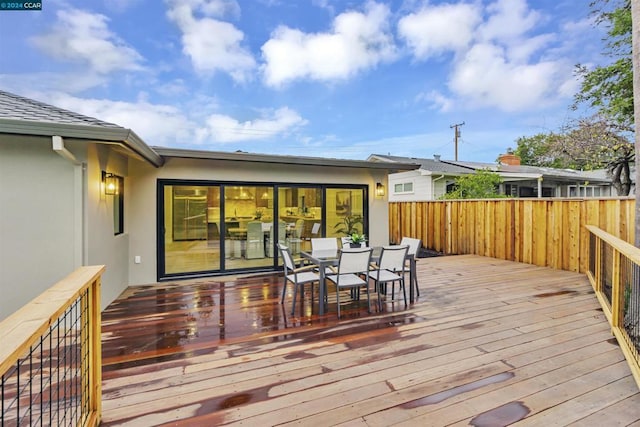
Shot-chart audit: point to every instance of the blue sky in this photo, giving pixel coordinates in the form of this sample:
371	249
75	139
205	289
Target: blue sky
330	78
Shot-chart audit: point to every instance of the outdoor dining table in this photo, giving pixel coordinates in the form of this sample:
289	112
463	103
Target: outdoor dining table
324	258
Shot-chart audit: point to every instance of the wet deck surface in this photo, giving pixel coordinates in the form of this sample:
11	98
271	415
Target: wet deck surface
488	343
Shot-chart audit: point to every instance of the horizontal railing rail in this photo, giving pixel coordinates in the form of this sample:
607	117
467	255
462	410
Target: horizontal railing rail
614	273
548	232
50	357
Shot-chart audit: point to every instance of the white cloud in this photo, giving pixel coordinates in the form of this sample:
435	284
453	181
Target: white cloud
437	100
155	124
224	129
486	77
85	38
497	63
358	41
508	19
437	29
212	45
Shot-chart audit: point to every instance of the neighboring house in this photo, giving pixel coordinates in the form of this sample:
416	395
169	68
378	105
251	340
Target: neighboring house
435	177
77	191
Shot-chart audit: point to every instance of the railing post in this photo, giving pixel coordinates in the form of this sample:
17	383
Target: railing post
95	352
598	264
617	294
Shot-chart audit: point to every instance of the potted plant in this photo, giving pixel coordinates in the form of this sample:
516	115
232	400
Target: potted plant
356	240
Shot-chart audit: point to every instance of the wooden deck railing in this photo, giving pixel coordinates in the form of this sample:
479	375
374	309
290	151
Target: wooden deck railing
50	356
544	232
614	272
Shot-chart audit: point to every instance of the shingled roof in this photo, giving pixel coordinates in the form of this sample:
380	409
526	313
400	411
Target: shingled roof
20	108
24	116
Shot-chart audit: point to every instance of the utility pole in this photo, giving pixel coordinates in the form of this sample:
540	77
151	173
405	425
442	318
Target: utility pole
456	132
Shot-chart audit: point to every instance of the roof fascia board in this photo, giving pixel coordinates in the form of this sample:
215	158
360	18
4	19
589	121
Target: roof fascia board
289	160
119	135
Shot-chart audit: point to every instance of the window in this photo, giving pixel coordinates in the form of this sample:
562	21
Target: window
404	187
118	207
584	191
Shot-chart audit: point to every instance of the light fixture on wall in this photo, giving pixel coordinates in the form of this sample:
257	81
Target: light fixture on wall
110	182
379	189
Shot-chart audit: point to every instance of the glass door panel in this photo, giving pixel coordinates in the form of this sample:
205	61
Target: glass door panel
300	214
345	211
192	228
248	226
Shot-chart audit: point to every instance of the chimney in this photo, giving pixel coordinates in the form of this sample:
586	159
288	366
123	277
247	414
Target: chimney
509	159
436	157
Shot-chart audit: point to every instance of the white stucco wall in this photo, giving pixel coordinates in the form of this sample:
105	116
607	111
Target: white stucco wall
102	246
54	218
36	219
142	216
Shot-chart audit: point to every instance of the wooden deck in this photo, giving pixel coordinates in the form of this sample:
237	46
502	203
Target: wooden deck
488	343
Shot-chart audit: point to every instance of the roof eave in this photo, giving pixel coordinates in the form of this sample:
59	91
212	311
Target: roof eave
119	135
278	159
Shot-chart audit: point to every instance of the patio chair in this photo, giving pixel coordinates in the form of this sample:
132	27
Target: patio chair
414	246
353	264
391	267
282	230
295	237
255	240
322	243
298	277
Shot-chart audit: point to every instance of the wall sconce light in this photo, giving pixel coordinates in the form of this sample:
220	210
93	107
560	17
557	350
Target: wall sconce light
110	182
379	189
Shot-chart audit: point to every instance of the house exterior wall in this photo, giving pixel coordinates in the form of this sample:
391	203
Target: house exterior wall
54	218
36	219
142	216
425	187
102	245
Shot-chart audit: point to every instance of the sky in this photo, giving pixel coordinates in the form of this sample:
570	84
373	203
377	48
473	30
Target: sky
328	78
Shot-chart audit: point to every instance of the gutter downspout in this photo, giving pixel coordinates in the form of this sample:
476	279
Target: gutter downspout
80	256
433	187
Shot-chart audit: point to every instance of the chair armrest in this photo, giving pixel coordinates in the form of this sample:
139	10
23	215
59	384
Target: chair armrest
305	268
332	268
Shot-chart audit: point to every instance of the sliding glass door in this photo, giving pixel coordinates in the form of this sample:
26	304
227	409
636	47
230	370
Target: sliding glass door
211	228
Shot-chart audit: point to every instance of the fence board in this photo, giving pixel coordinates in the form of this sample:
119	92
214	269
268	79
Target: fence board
545	232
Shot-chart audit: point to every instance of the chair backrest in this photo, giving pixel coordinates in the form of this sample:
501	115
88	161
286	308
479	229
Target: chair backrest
323	243
354	260
299	227
286	258
282	232
254	230
315	228
392	257
267	226
414	244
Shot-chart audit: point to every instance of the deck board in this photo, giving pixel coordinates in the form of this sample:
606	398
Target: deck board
486	340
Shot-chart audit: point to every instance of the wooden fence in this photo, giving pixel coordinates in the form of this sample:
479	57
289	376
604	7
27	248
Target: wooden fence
544	232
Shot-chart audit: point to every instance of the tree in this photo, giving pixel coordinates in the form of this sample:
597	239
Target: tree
609	88
483	184
595	142
599	143
537	150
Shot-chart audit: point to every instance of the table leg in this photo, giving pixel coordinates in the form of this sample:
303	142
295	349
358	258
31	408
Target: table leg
413	279
321	290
